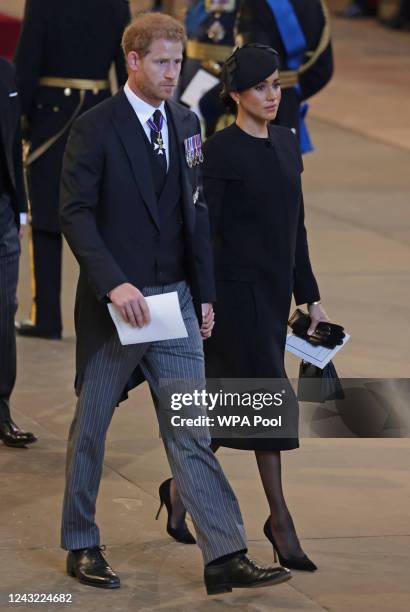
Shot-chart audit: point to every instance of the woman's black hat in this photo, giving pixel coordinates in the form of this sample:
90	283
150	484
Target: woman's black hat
248	66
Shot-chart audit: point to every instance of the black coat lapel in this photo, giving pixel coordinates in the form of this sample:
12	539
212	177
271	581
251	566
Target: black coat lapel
179	117
126	124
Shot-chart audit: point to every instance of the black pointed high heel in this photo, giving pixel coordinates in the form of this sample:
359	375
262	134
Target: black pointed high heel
304	564
180	533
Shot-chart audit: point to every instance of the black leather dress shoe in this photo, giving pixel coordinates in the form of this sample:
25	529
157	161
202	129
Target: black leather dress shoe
90	567
13	436
241	573
29	330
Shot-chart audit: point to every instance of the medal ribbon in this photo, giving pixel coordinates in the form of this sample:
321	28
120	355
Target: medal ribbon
156	128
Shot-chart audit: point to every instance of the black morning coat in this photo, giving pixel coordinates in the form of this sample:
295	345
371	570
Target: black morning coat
257	24
109	215
72	39
10	136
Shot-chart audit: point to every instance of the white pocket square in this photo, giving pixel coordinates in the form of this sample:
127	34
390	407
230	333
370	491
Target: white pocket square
13	94
195	195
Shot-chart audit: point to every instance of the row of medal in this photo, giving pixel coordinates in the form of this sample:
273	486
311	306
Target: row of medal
193	150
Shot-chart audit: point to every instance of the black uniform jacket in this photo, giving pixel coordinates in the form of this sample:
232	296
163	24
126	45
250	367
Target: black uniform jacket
110	219
77	39
10	136
256	23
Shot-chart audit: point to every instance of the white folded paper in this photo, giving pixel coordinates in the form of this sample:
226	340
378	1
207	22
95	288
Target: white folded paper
166	321
317	355
202	82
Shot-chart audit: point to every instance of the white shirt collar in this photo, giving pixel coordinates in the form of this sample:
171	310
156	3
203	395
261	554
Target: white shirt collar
143	110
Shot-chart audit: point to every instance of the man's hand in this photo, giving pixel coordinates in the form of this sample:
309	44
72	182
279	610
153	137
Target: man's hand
23	222
317	315
208	321
131	304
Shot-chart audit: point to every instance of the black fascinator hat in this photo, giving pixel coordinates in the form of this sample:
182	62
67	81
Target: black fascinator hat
248	66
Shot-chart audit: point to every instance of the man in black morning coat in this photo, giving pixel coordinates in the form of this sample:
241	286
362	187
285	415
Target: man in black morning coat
13	204
63	59
134	217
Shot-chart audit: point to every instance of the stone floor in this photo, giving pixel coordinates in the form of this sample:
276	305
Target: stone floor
349	497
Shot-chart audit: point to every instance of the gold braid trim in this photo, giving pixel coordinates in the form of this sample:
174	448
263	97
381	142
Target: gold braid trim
323	42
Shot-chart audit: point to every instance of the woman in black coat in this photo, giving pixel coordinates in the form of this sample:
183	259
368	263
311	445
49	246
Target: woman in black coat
253	190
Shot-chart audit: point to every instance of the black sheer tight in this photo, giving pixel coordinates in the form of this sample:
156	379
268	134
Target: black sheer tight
270	470
283	529
178	508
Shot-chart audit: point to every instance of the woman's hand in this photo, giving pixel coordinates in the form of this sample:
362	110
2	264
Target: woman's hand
317	315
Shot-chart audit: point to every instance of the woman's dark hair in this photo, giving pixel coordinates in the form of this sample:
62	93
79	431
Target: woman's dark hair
229	103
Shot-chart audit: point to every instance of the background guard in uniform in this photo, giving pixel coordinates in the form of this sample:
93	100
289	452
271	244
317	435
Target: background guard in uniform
63	59
13	206
210	29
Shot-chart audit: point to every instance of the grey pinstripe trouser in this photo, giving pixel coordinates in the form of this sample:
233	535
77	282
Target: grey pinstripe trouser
203	486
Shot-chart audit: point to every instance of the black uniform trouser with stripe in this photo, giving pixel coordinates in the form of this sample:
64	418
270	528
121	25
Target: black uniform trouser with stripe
9	264
47	258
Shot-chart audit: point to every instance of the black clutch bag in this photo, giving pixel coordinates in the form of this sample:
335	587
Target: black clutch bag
316	385
326	334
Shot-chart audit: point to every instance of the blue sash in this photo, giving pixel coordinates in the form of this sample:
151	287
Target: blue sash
195	17
294	41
